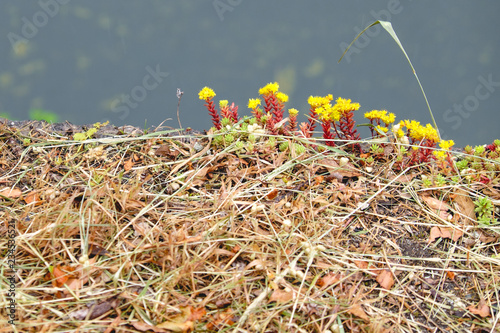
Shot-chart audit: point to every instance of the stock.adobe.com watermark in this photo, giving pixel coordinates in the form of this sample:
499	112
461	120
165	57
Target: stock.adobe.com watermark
394	7
10	272
459	112
31	26
150	82
222	6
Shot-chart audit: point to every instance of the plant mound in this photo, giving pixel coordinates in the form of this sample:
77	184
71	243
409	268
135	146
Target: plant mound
170	232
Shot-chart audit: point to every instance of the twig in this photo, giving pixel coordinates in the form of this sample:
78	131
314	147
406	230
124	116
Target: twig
179	96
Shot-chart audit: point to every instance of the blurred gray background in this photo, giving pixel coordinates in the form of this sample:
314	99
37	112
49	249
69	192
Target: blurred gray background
122	60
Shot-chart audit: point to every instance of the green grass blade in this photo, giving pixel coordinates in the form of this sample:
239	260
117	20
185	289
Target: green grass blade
388	27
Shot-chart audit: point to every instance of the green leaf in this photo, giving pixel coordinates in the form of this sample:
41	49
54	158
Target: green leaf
388	27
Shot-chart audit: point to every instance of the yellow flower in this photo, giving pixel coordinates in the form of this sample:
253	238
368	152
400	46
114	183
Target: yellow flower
375	114
382	129
446	145
382	115
327	113
253	103
317	101
399	133
440	155
388	119
283	98
343	105
293	112
419	132
269	88
206	93
431	133
223	103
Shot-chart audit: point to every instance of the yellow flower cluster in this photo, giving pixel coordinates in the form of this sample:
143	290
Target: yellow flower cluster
253	103
382	115
344	106
270	88
419	132
445	145
283	98
223	103
317	101
206	93
293	112
327	112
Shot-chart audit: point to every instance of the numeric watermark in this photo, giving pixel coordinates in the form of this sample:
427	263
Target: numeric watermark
10	272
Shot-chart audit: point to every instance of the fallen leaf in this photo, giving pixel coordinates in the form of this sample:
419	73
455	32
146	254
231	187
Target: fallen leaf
143	327
465	205
180	322
281	296
385	279
271	195
164	150
96	310
128	165
11	192
329	279
347	170
33	197
436	204
221	320
197	313
482	309
60	275
358	311
444	232
361	264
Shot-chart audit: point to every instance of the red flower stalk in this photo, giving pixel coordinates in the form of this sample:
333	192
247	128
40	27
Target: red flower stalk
313	116
292	124
257	113
346	124
424	152
234	112
327	134
272	105
305	129
213	113
270	124
225	112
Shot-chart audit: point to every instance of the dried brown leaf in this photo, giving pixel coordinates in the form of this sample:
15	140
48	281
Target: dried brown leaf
358	311
329	279
444	232
33	198
143	327
361	264
281	296
436	204
221	320
482	309
11	193
385	279
180	322
465	204
128	164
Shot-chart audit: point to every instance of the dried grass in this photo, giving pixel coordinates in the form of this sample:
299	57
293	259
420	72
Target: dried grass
149	234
